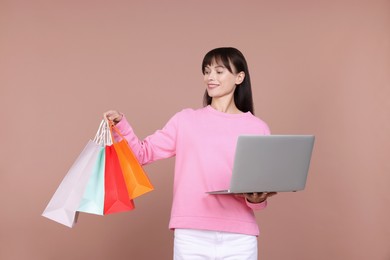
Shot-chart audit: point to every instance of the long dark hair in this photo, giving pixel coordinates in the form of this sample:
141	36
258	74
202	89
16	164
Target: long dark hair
231	56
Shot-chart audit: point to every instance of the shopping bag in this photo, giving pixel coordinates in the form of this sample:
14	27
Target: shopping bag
137	182
93	198
116	197
64	203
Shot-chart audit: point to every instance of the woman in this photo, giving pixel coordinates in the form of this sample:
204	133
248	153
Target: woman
203	141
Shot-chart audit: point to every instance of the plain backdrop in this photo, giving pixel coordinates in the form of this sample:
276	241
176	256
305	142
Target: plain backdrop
317	67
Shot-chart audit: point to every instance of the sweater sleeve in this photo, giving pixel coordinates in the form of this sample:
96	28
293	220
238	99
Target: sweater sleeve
159	145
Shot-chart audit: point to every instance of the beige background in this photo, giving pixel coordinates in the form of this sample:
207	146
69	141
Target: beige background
317	67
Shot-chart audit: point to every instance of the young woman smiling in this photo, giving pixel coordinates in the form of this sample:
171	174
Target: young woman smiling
203	141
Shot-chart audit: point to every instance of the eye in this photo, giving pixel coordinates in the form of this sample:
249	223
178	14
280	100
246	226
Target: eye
219	71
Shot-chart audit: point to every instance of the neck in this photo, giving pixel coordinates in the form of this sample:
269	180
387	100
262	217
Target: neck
225	106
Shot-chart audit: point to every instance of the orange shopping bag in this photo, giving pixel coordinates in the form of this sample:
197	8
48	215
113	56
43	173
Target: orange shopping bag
137	182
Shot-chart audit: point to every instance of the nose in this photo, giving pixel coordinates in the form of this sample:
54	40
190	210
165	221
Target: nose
211	76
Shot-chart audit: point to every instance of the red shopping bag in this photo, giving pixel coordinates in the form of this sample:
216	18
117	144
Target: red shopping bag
116	197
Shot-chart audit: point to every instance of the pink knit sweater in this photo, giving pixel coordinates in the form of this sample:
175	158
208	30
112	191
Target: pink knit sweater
203	142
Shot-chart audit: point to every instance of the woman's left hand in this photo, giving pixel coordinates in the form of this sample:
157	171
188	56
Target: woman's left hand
258	197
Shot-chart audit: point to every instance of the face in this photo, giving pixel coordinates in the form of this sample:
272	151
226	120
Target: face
220	82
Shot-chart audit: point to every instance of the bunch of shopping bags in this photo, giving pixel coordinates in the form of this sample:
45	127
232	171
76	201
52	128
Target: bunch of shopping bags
105	178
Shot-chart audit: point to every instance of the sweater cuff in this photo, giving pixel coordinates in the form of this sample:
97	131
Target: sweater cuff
122	126
256	206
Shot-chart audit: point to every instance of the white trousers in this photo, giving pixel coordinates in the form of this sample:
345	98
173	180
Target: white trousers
190	244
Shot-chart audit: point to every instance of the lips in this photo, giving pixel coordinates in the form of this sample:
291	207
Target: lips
211	85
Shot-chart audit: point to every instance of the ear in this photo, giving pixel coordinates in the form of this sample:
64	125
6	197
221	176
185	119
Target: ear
240	77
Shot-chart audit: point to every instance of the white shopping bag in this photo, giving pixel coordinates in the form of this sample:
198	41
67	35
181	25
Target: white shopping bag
66	200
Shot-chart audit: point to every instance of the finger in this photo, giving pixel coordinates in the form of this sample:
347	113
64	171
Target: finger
112	115
256	196
108	114
270	194
252	195
263	195
255	193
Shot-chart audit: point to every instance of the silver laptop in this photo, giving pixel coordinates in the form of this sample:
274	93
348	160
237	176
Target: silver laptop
270	163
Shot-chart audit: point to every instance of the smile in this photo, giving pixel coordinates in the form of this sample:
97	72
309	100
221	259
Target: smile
212	85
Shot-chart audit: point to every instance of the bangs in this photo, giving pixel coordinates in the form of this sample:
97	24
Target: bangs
218	58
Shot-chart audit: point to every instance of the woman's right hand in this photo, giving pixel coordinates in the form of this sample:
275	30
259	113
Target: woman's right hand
113	116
